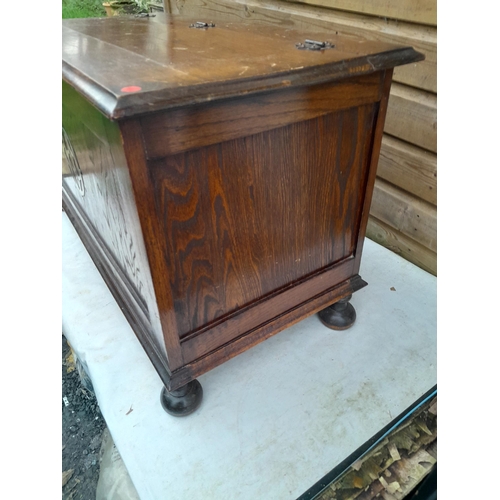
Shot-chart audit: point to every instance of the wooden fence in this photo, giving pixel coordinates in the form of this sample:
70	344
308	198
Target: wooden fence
404	207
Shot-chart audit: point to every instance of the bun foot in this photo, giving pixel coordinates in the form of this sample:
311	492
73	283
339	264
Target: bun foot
182	401
338	316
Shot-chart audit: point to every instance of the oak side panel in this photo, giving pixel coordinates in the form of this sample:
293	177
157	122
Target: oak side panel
99	192
247	217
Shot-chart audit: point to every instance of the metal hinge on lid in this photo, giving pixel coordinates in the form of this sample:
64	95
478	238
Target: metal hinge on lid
202	25
314	45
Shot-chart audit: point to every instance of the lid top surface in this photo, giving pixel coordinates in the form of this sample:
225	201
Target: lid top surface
126	56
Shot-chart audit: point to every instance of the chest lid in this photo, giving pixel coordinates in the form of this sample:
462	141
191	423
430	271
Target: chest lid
133	65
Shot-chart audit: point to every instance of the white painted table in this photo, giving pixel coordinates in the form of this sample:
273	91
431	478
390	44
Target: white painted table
275	419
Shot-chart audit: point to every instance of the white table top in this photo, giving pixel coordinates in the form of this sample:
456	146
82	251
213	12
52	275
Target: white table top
275	419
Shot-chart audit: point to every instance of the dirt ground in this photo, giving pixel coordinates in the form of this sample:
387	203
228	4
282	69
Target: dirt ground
82	428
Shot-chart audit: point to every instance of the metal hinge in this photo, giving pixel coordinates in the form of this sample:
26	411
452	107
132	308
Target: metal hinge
314	45
202	25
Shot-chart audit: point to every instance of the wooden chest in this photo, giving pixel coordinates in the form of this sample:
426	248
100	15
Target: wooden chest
221	178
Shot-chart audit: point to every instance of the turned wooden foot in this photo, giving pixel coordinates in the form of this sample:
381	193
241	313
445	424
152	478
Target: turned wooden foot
182	401
339	316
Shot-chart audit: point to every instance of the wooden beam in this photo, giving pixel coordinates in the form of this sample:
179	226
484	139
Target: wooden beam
405	213
412	116
320	20
409	249
415	11
409	167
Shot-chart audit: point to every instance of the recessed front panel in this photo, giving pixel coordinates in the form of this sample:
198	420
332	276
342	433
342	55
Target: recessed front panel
252	216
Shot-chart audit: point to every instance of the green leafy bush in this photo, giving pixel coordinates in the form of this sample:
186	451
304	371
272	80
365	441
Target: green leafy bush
82	8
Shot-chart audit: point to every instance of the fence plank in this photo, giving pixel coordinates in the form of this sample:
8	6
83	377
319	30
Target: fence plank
409	167
415	11
405	213
402	245
412	116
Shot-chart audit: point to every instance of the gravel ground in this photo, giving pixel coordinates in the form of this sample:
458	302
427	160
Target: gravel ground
82	428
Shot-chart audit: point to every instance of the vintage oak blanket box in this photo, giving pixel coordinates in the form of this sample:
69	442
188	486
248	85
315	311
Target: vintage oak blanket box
220	177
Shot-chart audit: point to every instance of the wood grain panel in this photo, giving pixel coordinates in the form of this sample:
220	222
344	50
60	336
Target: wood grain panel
420	11
100	186
409	167
412	116
118	285
401	244
284	14
275	206
197	126
405	213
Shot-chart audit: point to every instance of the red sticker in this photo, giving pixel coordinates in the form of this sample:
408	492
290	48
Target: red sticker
132	88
